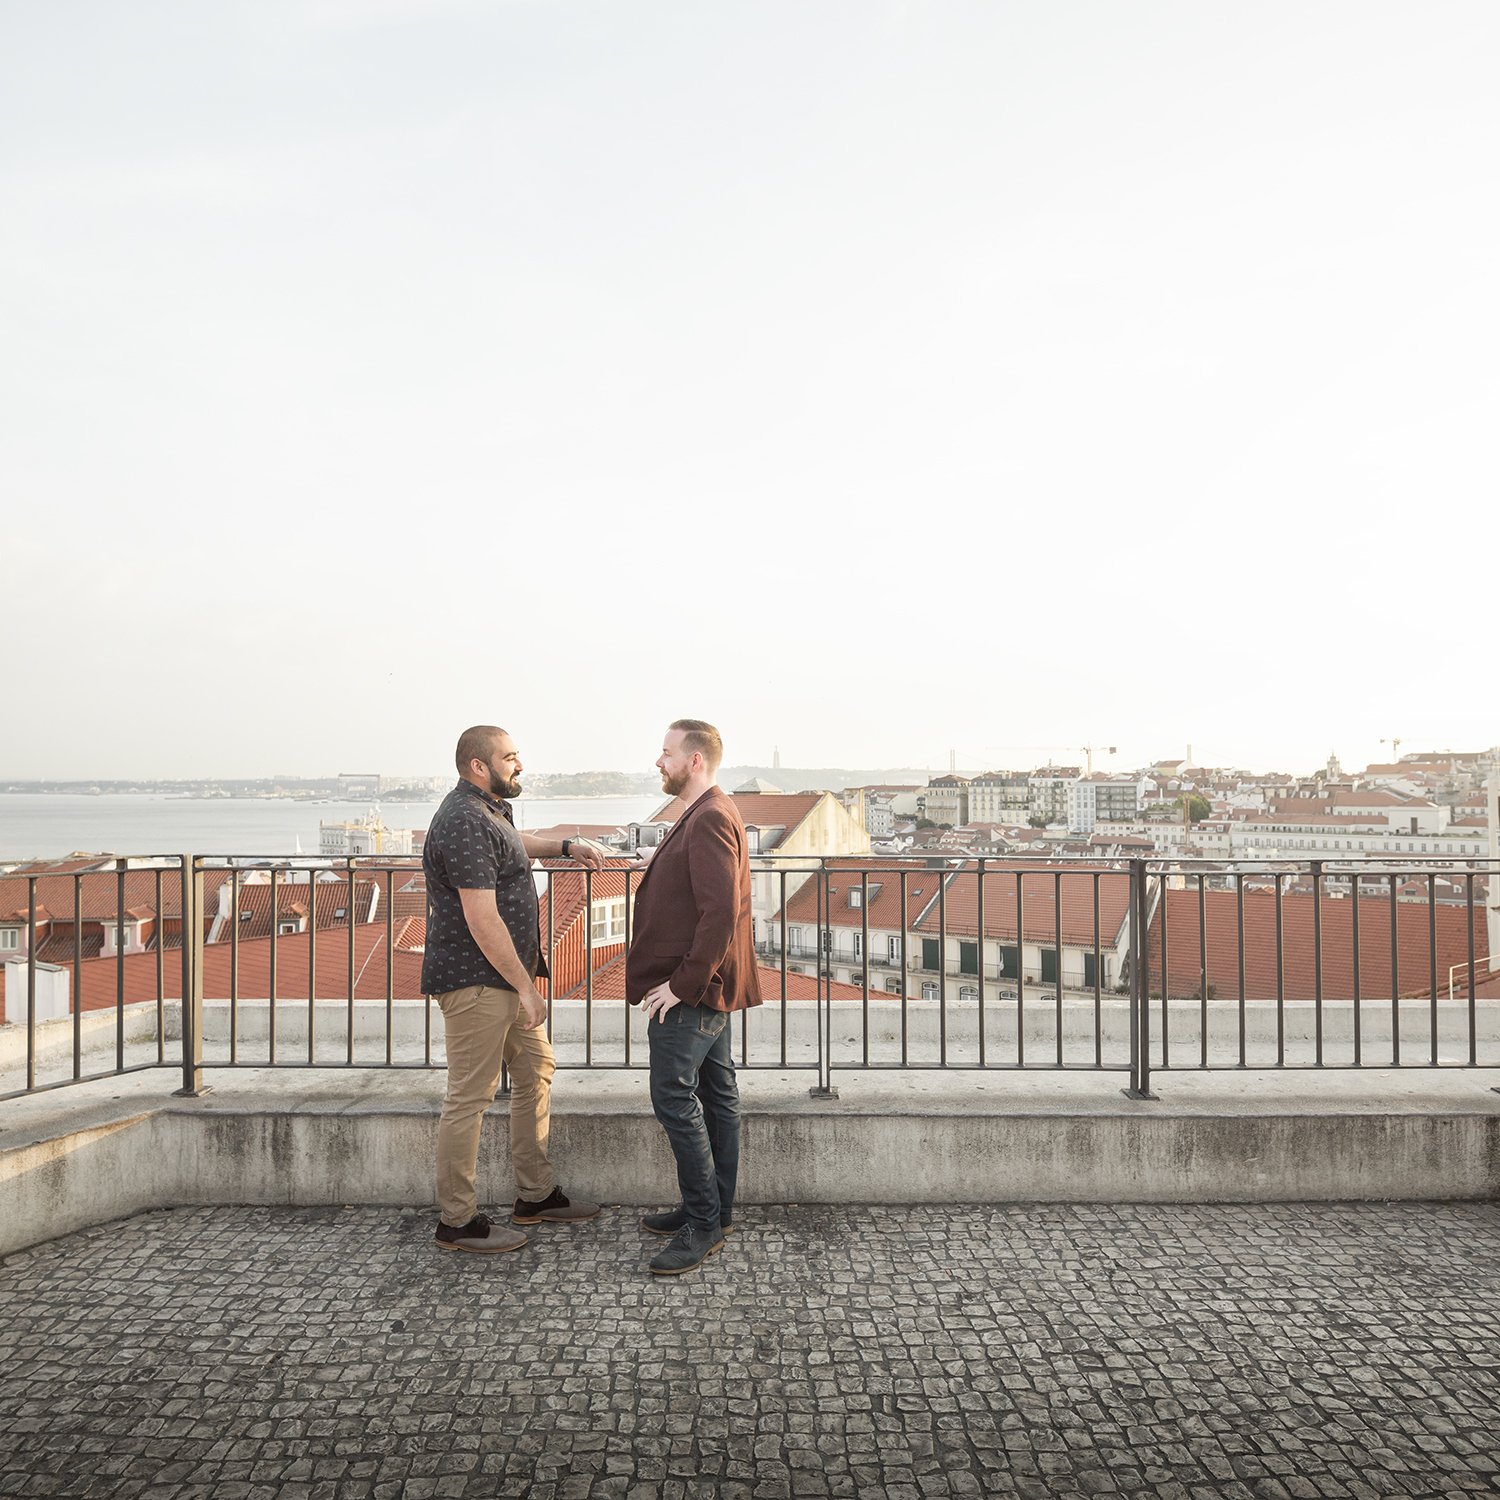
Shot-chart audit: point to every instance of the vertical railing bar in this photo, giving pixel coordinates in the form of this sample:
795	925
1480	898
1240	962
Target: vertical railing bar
1057	936
1395	978
1020	973
1098	980
629	913
1133	914
234	965
312	959
905	966
1473	982
1358	1016
864	953
1316	866
77	976
271	1003
1239	914
390	966
979	948
1202	972
1166	978
1280	980
119	965
1432	960
824	1070
161	973
785	998
351	916
1145	967
588	971
191	1014
30	982
943	966
120	866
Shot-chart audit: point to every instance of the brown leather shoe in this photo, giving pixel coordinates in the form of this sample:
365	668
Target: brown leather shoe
479	1237
555	1208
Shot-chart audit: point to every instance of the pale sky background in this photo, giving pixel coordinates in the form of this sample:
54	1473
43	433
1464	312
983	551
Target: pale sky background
872	379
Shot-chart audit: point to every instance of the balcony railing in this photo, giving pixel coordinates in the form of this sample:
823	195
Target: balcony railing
1164	964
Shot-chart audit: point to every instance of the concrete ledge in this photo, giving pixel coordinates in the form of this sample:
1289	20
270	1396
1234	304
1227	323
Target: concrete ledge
107	1149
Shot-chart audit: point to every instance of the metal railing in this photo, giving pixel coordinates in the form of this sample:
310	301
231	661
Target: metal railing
1131	966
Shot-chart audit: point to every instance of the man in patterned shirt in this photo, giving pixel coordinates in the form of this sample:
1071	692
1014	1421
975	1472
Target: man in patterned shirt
482	959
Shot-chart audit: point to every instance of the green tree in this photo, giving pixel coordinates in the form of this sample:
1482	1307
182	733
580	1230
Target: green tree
1198	807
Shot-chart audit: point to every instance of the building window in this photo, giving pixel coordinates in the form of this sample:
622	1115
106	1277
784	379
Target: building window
607	922
794	938
892	984
855	897
10	939
859	945
968	958
967	994
930	956
893	949
929	991
1049	965
286	929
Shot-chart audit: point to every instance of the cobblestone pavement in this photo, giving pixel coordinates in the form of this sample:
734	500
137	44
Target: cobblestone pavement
1178	1351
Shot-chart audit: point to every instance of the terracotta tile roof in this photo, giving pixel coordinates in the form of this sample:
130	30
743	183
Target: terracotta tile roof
100	975
332	898
410	934
1040	893
883	887
763	809
99	894
1183	951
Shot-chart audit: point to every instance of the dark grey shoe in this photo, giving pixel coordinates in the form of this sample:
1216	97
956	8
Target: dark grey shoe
690	1247
673	1219
479	1237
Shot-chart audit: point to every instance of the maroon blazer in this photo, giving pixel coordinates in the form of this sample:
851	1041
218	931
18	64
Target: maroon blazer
692	912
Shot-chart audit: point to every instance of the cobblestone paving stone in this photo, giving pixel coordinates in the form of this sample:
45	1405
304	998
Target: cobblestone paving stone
1175	1351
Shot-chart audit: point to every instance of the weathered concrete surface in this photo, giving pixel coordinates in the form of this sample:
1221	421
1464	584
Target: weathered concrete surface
1160	1352
107	1149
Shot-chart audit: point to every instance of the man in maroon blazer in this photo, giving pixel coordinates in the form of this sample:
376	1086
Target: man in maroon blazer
691	965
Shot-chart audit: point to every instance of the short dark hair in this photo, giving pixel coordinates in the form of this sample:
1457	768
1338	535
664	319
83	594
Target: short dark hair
476	743
700	735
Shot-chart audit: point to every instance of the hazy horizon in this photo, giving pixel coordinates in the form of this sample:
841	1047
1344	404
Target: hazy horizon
871	379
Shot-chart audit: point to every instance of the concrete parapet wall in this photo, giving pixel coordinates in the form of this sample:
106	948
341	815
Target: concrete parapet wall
105	1150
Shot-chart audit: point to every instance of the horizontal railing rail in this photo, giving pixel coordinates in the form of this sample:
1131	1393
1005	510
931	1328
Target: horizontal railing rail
1132	966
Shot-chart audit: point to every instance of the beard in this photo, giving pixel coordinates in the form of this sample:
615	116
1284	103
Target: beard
673	785
500	787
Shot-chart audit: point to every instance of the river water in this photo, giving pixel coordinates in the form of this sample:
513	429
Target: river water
40	825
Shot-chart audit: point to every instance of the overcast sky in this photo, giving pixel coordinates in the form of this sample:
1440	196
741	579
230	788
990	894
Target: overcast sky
872	379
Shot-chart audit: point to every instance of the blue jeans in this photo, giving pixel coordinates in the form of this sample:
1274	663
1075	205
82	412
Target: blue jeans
696	1098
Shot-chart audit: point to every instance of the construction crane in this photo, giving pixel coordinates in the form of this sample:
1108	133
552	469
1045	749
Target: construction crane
1088	750
1395	749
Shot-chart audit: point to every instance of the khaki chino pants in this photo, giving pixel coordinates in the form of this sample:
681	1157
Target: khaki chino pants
481	1024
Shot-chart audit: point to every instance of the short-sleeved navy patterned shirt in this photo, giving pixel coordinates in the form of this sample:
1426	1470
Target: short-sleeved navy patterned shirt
472	844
